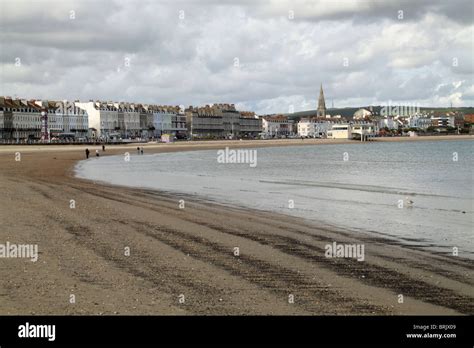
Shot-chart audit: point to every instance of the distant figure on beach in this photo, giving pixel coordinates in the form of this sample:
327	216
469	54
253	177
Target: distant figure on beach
138	150
103	147
97	153
87	153
302	138
141	150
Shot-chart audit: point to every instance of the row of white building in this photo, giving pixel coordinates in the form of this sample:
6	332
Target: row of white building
320	128
409	119
100	120
337	126
112	120
22	119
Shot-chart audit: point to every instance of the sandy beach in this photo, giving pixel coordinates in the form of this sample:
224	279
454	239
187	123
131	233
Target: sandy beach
182	261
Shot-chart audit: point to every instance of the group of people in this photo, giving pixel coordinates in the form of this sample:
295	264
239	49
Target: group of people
96	152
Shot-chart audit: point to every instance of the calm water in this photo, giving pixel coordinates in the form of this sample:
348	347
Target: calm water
361	193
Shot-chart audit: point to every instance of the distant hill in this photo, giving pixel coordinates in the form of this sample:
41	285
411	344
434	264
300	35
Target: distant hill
464	110
344	112
349	111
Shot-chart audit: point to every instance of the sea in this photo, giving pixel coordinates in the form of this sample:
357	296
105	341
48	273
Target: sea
419	194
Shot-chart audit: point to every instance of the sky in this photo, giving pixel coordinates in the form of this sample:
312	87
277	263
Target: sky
264	56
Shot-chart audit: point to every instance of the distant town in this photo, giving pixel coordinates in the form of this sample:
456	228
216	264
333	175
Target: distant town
46	121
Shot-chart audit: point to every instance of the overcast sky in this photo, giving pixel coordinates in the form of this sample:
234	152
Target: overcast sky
265	56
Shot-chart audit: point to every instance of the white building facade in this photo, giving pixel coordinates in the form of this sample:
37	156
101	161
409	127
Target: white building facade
68	119
277	126
316	128
360	130
388	122
162	121
443	121
420	122
102	117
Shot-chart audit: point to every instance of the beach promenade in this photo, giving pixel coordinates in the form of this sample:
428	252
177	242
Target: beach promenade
134	251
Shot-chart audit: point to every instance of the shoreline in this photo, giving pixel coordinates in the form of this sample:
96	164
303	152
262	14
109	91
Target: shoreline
414	242
189	252
214	144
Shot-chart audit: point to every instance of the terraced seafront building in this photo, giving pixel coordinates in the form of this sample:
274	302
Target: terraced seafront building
20	119
317	127
221	121
276	126
104	119
169	120
121	120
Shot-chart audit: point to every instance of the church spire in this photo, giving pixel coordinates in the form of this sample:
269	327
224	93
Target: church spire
321	112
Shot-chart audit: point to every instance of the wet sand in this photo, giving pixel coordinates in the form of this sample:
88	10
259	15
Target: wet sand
188	254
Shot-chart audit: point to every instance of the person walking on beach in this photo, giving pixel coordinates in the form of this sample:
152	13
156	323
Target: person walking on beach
103	148
97	153
141	150
87	153
138	150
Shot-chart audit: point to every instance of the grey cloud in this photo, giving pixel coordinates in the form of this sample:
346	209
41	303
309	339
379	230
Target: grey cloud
281	61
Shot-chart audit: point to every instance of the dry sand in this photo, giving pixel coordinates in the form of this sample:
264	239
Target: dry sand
190	251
